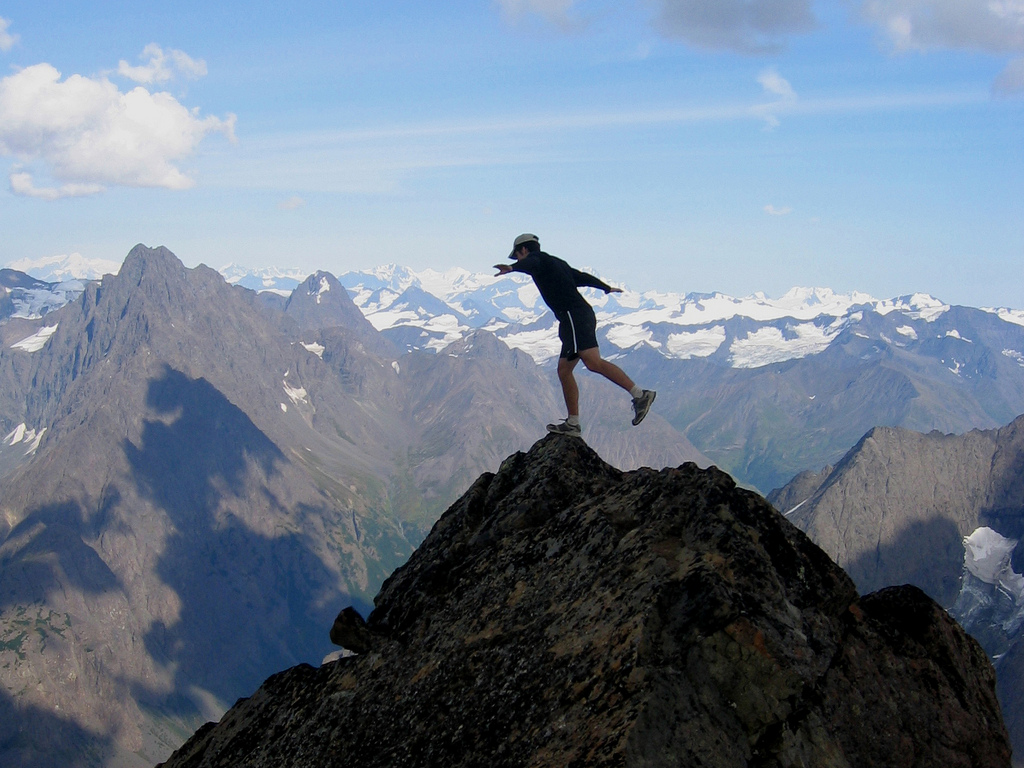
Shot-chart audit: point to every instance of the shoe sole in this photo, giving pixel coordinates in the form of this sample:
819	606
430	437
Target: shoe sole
641	416
567	434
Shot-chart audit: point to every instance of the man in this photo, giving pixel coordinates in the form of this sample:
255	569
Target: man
577	327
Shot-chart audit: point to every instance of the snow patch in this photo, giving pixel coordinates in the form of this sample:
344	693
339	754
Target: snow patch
29	438
541	345
628	336
316	349
987	556
1015	316
768	345
296	394
1014	355
37	340
794	509
324	287
908	331
397	368
919	306
701	343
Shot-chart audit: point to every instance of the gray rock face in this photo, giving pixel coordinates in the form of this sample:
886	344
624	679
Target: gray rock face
563	613
896	510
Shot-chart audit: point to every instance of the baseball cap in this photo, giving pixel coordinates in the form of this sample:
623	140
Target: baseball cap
523	238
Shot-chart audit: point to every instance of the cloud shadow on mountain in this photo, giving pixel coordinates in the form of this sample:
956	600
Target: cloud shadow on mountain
34	737
929	555
250	604
46	551
1006	512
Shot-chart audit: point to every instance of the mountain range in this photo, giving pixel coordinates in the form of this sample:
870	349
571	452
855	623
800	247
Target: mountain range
193	477
187	464
764	388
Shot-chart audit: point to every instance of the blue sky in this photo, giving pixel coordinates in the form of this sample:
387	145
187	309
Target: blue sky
685	145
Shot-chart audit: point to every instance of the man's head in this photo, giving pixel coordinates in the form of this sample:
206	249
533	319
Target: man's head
523	245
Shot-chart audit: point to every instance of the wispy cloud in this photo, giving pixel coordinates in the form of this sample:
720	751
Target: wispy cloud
580	121
291	203
778	87
161	67
771	210
377	160
773	83
85	134
7	40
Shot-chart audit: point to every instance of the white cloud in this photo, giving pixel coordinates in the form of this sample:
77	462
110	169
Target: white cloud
87	134
291	203
771	210
22	184
745	26
556	12
7	40
162	67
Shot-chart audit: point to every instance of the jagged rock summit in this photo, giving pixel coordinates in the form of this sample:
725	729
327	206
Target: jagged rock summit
564	613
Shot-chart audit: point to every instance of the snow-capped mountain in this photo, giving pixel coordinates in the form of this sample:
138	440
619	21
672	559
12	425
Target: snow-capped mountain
22	296
65	267
748	332
431	309
766	387
279	281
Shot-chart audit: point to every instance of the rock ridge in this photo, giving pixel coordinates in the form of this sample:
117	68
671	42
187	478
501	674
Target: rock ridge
564	613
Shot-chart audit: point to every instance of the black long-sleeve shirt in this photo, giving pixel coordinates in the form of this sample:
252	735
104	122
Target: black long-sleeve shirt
557	281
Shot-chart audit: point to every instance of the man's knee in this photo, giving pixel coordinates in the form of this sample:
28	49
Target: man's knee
592	360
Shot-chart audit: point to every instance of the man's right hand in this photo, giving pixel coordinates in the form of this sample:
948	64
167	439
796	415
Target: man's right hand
503	269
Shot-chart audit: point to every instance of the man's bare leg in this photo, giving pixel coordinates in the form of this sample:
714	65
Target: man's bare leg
642	398
570	390
594	362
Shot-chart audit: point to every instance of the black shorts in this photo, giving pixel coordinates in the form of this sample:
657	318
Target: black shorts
577	328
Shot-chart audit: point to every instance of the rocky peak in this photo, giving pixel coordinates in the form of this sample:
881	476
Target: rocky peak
322	302
564	613
143	260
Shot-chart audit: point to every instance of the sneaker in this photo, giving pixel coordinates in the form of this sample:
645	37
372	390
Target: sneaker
642	404
565	428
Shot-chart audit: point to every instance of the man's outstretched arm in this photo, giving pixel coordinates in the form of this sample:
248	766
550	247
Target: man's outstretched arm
583	279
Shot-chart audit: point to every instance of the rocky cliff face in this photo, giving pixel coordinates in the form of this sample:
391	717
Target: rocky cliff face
943	512
563	613
896	508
